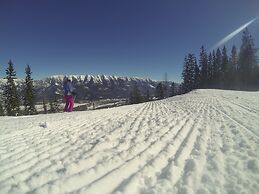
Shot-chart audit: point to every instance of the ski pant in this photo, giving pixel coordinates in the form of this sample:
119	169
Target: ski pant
69	103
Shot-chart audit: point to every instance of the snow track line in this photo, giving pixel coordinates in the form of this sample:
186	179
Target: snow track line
237	122
247	108
252	116
143	107
64	124
91	125
223	111
130	168
97	151
35	164
153	166
227	153
193	174
174	169
24	153
177	134
215	160
141	151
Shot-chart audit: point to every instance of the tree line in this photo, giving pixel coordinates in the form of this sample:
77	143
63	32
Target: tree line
217	70
162	90
11	100
213	70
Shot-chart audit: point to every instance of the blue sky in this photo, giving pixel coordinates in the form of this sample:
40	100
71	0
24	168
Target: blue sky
143	38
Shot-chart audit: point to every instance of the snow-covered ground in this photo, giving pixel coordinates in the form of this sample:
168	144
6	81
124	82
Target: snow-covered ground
206	141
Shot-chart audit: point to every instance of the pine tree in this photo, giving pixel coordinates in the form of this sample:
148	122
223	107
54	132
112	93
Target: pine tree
210	70
214	70
218	62
54	106
135	95
224	68
197	76
10	92
188	73
147	97
165	86
29	93
233	68
1	110
173	89
160	91
203	63
186	76
247	63
234	58
180	89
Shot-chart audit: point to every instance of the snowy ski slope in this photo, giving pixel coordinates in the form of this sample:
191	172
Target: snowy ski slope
206	141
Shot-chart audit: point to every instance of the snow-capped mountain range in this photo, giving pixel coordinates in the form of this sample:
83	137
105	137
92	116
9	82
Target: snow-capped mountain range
89	87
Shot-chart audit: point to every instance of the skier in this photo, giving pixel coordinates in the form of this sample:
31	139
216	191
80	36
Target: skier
68	94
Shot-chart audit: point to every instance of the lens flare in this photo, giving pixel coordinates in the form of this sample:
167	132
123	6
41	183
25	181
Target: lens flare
232	34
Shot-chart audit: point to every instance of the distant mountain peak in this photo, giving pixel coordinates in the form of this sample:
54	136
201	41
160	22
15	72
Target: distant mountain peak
90	87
